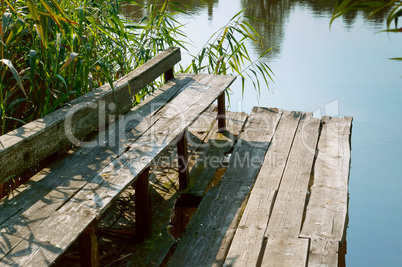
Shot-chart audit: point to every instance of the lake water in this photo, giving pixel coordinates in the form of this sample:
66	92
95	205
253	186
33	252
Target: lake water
342	70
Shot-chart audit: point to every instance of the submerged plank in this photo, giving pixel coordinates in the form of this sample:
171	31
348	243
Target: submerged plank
287	214
211	230
327	207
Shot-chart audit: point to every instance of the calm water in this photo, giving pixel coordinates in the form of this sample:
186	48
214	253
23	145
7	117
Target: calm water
344	70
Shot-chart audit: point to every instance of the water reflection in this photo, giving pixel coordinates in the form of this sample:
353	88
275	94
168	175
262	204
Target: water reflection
315	65
135	12
274	12
277	12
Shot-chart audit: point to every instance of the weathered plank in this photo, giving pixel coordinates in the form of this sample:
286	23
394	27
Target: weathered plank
27	145
42	247
124	170
247	242
286	252
323	253
327	207
287	214
99	192
210	231
26	209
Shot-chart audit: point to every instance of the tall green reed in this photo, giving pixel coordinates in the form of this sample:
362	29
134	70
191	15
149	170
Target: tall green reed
54	51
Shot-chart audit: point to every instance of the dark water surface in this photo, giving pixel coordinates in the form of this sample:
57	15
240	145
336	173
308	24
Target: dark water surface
342	70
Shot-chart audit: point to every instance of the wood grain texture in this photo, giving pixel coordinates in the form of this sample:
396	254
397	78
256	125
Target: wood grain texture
248	240
98	193
42	247
327	207
208	235
286	252
287	214
27	145
49	189
323	253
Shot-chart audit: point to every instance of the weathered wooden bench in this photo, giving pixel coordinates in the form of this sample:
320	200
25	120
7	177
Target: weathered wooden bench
63	202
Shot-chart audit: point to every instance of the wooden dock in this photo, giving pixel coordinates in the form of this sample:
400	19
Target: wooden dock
282	199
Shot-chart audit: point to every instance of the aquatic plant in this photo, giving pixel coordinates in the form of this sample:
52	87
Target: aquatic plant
54	51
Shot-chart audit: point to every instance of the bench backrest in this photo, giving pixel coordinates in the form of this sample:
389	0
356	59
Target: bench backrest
26	146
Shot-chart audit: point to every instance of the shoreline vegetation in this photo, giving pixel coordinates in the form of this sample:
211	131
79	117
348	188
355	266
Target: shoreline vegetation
55	51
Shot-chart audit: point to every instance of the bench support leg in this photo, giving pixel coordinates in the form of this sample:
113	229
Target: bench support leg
182	154
221	113
143	209
169	74
89	253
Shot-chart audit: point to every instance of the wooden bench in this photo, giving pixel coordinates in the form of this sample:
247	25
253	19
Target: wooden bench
64	201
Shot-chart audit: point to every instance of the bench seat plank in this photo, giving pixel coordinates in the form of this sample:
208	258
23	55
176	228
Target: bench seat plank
96	195
84	163
48	240
123	171
50	188
27	145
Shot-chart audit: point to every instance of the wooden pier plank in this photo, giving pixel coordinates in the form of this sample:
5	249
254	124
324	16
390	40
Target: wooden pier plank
287	214
327	207
208	235
323	253
245	247
285	252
